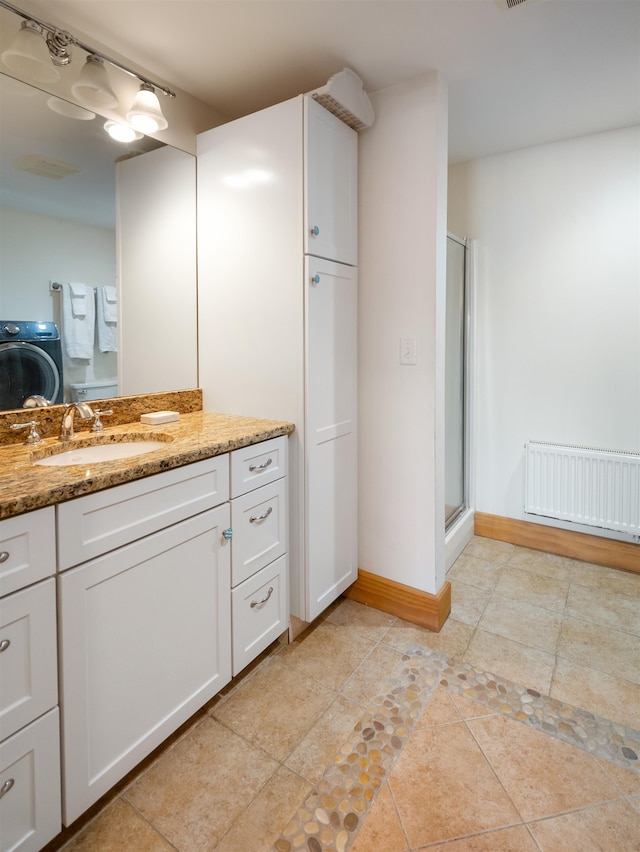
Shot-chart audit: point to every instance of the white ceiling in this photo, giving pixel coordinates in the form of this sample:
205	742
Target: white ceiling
541	71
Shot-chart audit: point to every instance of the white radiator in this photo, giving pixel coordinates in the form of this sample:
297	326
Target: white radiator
599	488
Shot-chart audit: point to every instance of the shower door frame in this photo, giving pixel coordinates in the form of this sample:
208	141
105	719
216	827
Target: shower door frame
461	523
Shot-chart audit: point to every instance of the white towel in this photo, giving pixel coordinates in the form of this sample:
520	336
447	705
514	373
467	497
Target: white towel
107	319
79	294
78	330
110	304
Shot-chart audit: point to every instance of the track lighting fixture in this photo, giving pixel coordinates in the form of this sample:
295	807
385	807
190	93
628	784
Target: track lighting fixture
39	49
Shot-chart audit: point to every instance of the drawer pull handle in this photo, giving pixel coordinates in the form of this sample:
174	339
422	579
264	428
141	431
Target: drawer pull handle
4	644
4	555
254	467
264	600
255	518
8	784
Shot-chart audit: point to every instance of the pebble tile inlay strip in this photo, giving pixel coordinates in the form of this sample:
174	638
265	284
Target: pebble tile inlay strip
334	811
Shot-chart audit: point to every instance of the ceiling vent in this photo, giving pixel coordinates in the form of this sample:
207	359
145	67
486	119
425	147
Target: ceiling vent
511	4
345	97
42	166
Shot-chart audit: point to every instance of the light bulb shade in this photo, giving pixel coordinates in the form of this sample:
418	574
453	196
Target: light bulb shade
145	113
92	86
28	55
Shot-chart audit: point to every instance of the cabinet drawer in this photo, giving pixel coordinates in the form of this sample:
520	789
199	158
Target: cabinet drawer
100	522
27	549
259	612
259	523
28	659
257	465
30	769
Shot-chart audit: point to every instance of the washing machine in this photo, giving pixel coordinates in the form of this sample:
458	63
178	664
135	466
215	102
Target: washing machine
30	362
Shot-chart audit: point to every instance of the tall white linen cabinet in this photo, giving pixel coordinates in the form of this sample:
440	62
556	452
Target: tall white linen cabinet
277	316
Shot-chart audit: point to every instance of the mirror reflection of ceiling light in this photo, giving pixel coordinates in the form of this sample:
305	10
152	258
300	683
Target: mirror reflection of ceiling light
121	132
39	49
69	110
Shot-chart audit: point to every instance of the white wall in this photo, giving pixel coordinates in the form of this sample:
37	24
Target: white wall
35	250
402	248
558	301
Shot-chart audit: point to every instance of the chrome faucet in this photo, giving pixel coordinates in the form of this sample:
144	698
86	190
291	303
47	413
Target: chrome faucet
83	409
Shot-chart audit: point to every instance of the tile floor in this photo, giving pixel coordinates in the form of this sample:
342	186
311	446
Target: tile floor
257	770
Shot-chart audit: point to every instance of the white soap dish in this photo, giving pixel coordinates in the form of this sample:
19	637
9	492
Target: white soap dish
156	417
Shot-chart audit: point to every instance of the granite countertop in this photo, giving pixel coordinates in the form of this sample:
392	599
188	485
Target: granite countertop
195	436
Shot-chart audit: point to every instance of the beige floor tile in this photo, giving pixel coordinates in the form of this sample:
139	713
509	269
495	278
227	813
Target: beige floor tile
516	839
381	830
452	639
480	573
371	622
195	790
601	577
543	563
468	602
605	695
523	622
468	708
267	815
543	775
317	750
512	660
525	584
600	647
634	801
118	821
613	827
444	788
490	549
440	710
329	654
628	782
604	606
365	683
275	708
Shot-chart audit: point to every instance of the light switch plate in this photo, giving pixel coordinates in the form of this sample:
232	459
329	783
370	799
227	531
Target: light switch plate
408	351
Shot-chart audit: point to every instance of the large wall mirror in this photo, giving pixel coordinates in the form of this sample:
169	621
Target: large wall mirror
78	207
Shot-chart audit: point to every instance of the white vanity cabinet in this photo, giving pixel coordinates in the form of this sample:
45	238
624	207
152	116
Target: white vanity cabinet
259	567
277	208
30	813
145	628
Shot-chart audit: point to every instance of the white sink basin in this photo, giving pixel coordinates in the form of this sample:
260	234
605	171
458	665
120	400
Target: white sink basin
101	453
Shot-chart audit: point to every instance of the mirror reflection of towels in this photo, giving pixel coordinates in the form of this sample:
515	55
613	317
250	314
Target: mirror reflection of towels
78	320
107	319
78	294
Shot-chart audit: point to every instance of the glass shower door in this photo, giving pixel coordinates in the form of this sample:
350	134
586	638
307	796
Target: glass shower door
455	381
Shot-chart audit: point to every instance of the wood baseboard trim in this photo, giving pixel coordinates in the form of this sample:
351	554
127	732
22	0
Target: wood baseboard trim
577	545
430	611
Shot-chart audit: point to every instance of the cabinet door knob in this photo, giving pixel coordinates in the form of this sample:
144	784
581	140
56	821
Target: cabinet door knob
228	534
4	644
315	231
315	279
4	555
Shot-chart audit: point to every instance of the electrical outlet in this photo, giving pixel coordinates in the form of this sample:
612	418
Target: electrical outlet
408	353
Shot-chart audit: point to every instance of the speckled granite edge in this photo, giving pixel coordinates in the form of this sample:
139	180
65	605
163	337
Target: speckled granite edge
333	813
